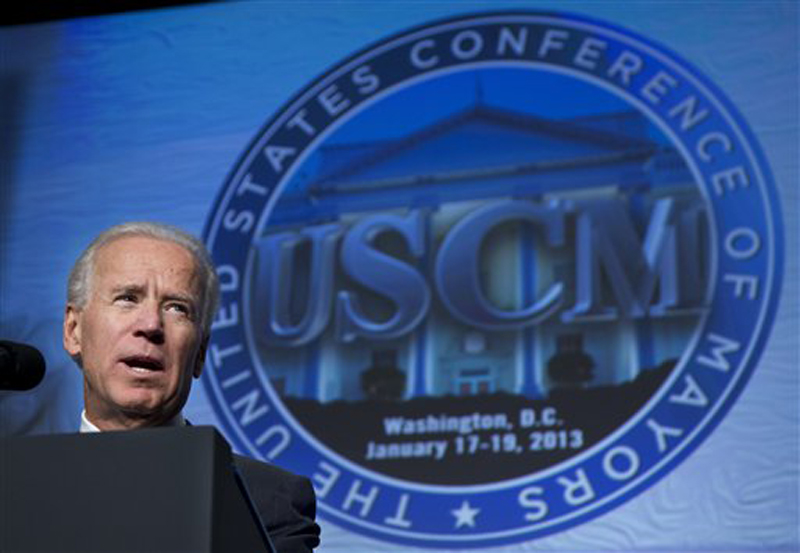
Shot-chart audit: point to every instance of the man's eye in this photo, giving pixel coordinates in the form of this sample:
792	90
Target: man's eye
125	298
178	308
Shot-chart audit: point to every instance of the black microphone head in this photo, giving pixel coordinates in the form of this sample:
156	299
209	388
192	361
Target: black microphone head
21	366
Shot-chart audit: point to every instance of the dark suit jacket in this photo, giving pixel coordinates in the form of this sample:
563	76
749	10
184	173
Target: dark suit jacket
286	503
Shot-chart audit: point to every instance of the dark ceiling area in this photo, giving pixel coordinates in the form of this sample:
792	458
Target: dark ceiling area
54	10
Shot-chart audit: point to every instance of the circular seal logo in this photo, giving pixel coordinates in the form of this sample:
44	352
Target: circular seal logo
491	277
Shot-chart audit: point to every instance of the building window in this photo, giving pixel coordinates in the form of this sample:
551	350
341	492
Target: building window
474	343
470	382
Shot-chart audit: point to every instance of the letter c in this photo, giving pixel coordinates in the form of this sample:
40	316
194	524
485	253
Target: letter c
457	270
416	56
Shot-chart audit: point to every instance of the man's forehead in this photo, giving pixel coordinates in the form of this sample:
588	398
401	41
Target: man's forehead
129	256
135	243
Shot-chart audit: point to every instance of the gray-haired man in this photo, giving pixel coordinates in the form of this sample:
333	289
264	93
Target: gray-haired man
139	307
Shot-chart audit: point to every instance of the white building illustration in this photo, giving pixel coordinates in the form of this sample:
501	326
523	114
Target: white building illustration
444	173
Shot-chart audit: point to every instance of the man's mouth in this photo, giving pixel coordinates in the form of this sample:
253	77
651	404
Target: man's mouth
143	364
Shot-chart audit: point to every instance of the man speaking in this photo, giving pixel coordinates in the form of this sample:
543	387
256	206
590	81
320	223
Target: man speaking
140	302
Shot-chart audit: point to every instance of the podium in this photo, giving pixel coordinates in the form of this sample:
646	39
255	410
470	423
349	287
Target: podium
152	490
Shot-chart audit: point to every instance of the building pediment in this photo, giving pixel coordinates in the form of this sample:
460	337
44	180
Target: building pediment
481	141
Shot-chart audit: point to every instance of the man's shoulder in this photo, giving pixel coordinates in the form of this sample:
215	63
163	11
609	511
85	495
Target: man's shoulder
286	503
253	469
267	482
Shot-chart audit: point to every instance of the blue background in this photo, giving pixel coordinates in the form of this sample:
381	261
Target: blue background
141	116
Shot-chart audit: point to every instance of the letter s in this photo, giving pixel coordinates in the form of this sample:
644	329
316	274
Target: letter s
385	275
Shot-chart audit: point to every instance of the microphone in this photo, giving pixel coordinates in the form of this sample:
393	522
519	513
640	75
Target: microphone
21	366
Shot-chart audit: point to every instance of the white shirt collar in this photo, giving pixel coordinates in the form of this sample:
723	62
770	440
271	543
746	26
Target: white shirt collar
88	426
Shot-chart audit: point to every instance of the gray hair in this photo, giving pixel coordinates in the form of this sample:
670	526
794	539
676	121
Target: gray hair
80	277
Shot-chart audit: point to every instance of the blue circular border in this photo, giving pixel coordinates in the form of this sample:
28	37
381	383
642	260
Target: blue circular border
767	310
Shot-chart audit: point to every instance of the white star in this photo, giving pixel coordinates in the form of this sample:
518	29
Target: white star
465	515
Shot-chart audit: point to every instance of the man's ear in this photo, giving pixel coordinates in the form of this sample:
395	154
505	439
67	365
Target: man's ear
201	357
72	331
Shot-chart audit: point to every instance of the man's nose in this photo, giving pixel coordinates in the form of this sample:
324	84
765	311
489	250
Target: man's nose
149	322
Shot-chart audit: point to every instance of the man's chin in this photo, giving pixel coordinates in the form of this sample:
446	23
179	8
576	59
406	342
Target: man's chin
147	412
135	408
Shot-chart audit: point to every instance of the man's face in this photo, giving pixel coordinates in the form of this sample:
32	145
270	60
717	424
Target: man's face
138	337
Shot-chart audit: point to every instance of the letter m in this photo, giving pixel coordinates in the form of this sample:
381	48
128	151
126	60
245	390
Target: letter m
611	259
721	346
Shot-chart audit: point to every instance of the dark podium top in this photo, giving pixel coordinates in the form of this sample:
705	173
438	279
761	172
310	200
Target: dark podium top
154	490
